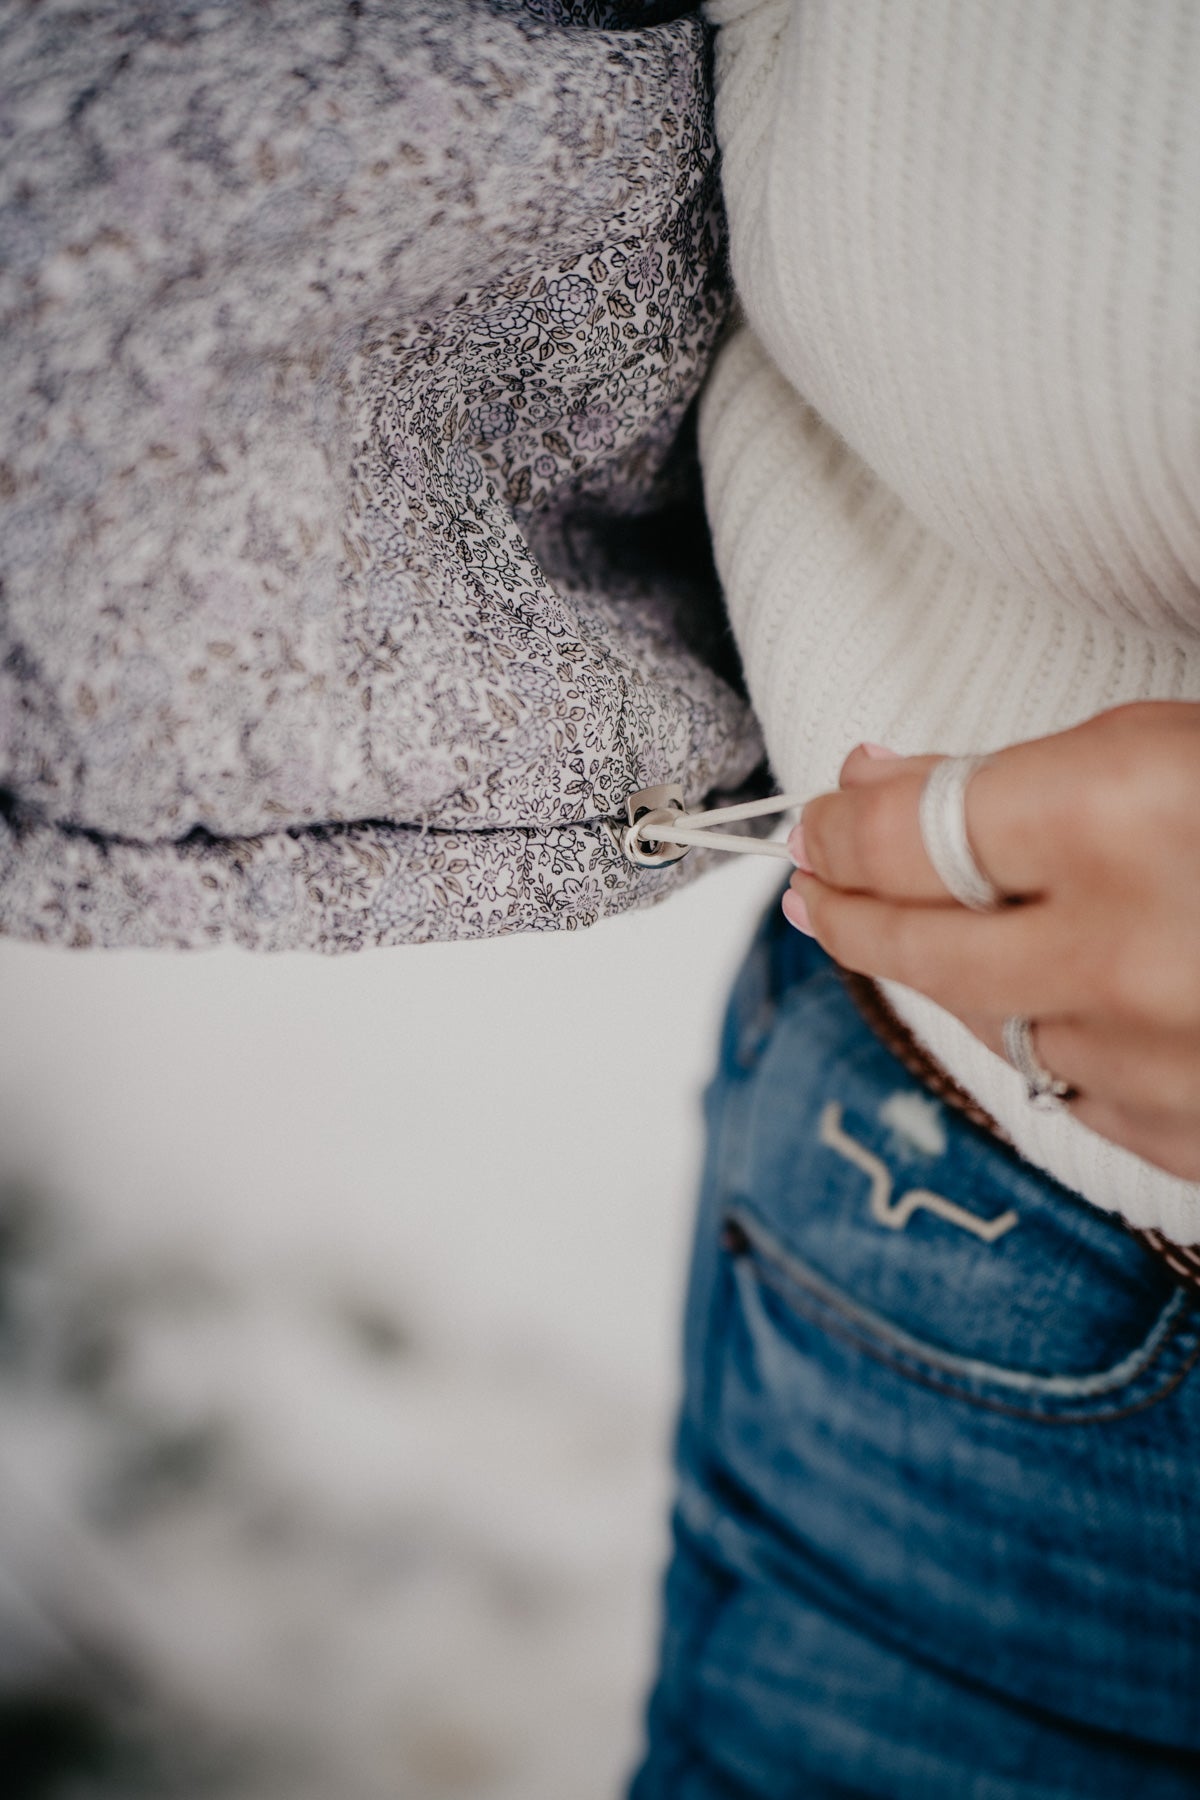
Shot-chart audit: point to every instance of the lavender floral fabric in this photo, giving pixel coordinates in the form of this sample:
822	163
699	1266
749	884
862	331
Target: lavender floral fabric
346	351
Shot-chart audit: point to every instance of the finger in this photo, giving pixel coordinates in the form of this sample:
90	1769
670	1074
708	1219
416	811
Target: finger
866	838
983	967
870	762
1150	1075
1027	811
1154	1075
992	963
1060	812
1169	1140
866	765
1173	1145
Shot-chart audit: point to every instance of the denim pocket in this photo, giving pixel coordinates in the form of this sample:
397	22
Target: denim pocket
772	1281
931	1396
861	1204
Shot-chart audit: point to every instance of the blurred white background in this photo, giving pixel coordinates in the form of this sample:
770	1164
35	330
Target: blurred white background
340	1313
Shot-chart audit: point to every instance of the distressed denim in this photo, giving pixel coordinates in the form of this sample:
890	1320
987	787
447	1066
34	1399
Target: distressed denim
937	1530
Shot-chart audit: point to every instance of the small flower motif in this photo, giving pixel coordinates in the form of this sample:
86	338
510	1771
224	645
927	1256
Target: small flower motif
463	469
429	779
539	407
389	598
494	420
490	883
401	902
643	273
545	468
579	899
409	469
594	427
570	299
512	318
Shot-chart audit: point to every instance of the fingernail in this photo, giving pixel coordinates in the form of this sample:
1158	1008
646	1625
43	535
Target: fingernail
796	913
796	850
879	752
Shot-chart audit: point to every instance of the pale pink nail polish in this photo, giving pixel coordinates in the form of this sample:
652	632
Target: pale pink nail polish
796	849
796	913
879	753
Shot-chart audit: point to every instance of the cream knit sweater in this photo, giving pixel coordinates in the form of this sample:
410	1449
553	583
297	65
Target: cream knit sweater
953	459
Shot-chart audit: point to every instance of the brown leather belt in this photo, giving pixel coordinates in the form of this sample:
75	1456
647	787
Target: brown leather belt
1182	1260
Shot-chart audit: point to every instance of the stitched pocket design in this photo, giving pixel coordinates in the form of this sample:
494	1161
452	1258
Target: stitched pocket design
856	1202
771	1282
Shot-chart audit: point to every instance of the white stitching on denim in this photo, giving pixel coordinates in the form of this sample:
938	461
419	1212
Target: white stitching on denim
901	1347
896	1214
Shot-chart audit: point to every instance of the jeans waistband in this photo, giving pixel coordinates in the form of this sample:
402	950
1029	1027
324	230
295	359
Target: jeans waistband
1181	1260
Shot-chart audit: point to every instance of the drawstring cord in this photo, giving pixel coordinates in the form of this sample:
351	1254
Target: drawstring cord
657	832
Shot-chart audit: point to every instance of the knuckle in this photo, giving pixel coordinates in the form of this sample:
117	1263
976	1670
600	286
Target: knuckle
1168	1085
1144	784
1142	988
1171	999
907	951
829	923
1090	814
875	839
1169	795
815	822
1119	982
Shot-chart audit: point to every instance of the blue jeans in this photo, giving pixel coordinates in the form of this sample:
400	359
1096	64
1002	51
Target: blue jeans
938	1522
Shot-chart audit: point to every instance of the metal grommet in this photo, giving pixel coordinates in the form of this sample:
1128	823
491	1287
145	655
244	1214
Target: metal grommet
653	806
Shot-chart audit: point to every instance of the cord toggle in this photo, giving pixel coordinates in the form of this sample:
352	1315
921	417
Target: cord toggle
662	831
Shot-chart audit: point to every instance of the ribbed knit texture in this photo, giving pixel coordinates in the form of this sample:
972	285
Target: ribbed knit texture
953	459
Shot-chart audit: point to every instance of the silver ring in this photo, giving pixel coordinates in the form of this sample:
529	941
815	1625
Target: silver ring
943	819
1043	1088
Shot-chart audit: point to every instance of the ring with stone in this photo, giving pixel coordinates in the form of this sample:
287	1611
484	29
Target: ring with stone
942	815
1043	1088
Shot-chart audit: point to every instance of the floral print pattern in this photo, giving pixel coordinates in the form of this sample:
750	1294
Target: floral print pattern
339	364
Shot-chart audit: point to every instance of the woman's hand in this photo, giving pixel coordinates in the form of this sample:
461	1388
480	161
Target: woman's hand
1094	834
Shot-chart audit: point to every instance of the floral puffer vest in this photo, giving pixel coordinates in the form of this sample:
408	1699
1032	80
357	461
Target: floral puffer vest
352	576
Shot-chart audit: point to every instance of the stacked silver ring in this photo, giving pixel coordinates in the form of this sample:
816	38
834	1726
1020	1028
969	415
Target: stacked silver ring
943	820
1043	1088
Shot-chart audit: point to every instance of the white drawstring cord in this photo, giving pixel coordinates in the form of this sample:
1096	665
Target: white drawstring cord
654	829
